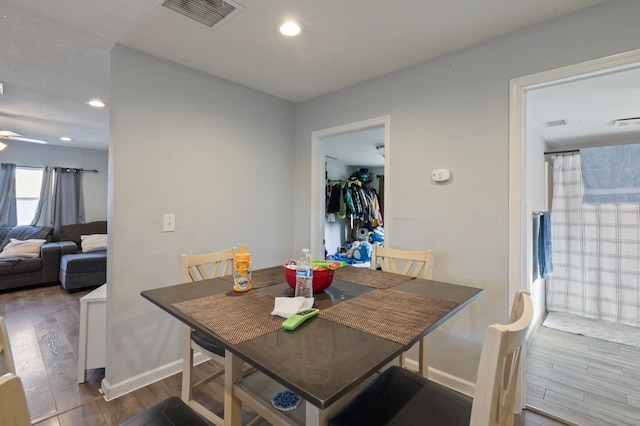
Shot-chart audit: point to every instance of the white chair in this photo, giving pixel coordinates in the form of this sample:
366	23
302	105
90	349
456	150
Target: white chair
14	410
401	397
413	263
6	357
195	268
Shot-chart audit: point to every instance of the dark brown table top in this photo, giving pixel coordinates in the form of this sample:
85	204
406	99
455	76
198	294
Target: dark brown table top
321	360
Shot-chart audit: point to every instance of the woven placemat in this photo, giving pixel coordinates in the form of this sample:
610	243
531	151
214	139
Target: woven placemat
235	317
370	277
390	314
263	277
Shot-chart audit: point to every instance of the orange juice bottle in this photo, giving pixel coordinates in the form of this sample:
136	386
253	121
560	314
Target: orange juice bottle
242	270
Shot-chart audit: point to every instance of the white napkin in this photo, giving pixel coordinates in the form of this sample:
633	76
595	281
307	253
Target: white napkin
287	306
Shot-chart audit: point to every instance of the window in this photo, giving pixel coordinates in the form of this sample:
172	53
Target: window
28	183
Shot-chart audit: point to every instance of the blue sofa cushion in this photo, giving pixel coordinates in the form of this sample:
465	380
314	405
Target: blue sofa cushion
84	262
27	232
74	232
18	265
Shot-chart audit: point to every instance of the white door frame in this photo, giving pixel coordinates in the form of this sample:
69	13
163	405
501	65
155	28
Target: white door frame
518	215
318	179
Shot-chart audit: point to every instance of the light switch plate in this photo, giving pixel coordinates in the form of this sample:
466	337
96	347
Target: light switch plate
169	223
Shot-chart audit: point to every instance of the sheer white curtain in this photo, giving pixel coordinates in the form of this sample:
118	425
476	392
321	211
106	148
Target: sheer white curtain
596	251
44	210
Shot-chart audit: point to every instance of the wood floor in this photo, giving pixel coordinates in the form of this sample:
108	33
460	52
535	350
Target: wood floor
43	330
583	380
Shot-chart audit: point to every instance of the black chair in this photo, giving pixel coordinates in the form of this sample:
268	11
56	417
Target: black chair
170	412
400	397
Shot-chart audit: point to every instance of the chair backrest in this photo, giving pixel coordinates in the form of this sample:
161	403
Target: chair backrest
5	350
14	410
414	263
499	368
199	267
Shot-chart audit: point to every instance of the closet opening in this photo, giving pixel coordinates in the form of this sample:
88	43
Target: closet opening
353	205
354	218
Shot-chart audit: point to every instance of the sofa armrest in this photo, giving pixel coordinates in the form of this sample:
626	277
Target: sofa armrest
67	247
50	254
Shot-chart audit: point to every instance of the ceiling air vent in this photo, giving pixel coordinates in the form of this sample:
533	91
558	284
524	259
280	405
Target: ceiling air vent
627	121
556	123
206	12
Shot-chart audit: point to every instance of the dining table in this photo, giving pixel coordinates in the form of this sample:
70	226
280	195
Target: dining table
367	319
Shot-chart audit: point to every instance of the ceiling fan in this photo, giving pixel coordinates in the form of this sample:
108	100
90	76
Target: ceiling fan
8	134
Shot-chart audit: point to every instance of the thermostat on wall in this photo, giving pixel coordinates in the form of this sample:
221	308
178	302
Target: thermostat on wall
441	175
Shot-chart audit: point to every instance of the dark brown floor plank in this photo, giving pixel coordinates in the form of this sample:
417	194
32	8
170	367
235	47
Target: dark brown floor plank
88	414
120	409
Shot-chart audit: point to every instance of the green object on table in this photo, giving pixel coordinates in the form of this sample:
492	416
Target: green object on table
326	264
296	320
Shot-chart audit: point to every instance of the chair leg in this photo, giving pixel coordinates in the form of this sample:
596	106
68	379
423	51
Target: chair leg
187	364
399	361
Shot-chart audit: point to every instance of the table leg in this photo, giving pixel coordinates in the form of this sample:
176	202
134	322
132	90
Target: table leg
82	343
315	416
232	375
423	362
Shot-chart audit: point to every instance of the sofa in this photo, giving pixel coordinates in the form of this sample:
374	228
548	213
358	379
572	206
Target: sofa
18	272
80	269
61	258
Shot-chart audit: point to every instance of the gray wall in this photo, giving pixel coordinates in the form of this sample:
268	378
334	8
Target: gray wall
94	184
217	155
452	112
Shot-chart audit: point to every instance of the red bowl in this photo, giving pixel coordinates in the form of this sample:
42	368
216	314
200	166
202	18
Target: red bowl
322	278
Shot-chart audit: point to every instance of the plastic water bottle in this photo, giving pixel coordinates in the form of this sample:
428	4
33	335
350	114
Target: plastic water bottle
304	275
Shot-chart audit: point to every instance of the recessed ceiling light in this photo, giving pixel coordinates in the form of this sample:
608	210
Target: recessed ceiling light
96	103
290	28
65	138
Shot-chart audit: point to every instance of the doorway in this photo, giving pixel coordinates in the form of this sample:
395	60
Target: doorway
318	176
354	164
343	137
525	194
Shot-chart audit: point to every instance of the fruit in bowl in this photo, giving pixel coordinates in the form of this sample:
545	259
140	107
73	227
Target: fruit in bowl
322	278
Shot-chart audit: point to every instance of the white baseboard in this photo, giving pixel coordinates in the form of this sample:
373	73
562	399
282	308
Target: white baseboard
453	382
113	391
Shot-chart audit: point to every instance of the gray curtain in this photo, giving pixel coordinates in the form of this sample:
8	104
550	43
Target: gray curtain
8	213
68	203
44	210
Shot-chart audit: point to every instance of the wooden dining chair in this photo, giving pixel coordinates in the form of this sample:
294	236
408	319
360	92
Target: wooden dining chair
14	410
414	263
194	268
6	357
401	397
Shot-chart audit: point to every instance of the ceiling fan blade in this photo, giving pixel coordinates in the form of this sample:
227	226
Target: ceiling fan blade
20	138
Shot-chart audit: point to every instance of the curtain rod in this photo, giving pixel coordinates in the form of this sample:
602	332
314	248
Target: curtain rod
39	167
569	151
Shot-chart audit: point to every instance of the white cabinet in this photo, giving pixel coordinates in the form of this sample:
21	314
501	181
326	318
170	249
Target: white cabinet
93	334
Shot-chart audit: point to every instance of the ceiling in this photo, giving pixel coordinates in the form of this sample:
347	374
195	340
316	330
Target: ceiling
583	112
54	54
